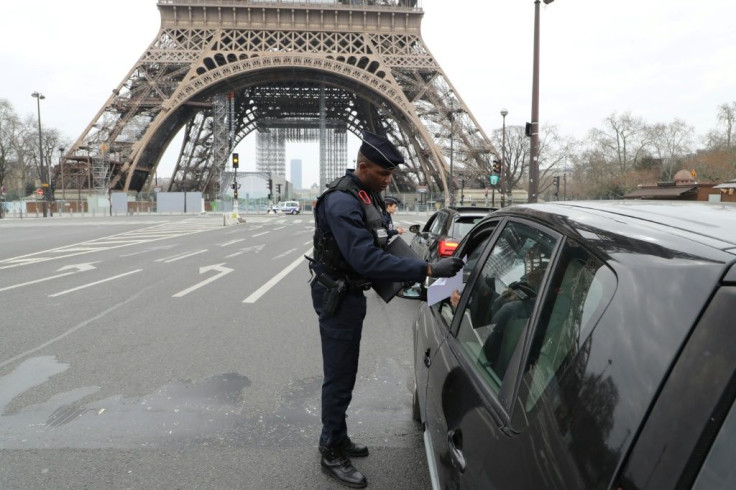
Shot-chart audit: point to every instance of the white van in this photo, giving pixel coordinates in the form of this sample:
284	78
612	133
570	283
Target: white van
290	207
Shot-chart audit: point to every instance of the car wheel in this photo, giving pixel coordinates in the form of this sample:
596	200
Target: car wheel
415	411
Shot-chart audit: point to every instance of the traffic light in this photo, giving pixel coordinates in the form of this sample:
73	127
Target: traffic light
270	188
556	182
496	167
236	160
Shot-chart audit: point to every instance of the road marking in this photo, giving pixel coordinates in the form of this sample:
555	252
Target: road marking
288	252
94	283
74	329
261	234
279	228
79	267
232	241
257	249
217	267
154	249
309	242
125	239
174	258
274	280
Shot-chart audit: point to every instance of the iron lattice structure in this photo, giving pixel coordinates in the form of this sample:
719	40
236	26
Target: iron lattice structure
221	69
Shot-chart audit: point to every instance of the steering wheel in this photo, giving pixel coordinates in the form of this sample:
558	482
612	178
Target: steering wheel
523	290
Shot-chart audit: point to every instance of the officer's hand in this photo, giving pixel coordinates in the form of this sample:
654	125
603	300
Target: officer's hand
445	267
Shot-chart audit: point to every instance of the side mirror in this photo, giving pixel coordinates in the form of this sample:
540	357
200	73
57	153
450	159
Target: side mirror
414	228
416	292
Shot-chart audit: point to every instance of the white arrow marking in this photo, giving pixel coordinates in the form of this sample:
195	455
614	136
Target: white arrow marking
218	267
93	283
79	267
274	280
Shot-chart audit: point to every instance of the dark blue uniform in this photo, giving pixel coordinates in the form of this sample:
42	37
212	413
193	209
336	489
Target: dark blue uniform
343	216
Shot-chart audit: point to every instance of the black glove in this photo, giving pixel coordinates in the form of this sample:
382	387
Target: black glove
446	267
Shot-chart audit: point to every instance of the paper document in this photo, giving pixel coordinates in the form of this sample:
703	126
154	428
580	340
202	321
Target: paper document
444	286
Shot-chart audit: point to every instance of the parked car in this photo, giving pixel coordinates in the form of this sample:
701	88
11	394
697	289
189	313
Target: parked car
593	345
289	207
443	231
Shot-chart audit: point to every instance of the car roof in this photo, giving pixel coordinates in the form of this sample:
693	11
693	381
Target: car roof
709	224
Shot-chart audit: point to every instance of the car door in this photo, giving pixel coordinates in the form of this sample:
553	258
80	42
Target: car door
512	366
434	321
472	377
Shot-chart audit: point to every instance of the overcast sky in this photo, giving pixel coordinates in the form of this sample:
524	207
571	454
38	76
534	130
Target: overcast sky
658	59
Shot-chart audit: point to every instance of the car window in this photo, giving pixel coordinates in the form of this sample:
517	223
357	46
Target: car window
472	250
718	470
438	224
462	226
579	290
502	298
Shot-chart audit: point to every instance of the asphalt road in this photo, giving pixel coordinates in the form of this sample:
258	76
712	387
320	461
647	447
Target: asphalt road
175	352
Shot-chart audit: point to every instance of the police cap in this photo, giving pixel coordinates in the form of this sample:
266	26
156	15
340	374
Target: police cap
391	200
380	151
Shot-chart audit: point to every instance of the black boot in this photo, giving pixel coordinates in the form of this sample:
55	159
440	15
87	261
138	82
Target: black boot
354	450
336	464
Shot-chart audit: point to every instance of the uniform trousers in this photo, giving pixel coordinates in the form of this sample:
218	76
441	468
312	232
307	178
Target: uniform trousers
340	335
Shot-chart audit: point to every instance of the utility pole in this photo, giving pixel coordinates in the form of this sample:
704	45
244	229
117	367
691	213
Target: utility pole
534	153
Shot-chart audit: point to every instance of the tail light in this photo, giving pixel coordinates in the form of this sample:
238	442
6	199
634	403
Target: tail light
447	247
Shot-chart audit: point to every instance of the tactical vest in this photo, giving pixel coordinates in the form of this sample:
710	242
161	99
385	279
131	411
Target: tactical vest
326	251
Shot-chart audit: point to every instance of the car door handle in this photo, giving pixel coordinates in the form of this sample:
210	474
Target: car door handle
427	358
455	443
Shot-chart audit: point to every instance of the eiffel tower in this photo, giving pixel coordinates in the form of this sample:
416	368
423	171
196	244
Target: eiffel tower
289	70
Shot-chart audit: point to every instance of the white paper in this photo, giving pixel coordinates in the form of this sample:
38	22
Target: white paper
444	286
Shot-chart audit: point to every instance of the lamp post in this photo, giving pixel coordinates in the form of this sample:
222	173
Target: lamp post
61	168
44	183
452	151
534	151
504	113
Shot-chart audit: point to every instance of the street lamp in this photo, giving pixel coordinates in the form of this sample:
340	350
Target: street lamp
44	183
452	150
504	113
534	152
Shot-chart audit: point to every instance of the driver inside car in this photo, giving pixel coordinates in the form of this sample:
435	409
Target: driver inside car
512	310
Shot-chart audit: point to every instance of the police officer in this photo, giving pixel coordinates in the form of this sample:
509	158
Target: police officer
392	205
349	240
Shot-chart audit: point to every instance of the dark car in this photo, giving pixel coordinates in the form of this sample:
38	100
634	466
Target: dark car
593	345
443	231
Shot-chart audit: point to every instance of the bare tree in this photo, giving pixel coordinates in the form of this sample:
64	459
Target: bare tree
623	142
671	144
727	116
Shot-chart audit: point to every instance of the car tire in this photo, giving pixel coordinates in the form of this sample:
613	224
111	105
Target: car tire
415	411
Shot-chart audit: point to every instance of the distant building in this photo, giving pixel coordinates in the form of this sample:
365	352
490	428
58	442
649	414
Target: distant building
684	187
296	173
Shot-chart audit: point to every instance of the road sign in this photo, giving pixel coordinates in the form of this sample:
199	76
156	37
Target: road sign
421	188
39	192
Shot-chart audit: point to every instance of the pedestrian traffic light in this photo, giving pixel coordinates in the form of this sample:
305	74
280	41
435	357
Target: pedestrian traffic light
236	160
494	180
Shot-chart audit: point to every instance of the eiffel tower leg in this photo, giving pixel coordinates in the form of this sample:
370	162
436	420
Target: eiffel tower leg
370	61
